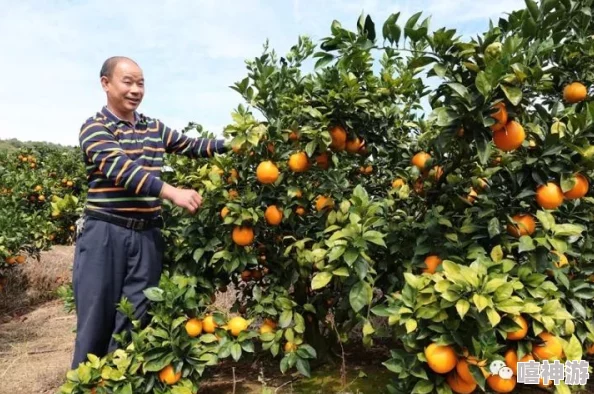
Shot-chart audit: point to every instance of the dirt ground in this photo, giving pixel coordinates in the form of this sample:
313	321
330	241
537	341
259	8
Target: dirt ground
36	344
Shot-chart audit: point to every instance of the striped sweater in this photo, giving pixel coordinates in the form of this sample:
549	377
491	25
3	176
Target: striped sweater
124	160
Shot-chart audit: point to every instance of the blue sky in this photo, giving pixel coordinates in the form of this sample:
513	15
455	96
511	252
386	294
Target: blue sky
191	51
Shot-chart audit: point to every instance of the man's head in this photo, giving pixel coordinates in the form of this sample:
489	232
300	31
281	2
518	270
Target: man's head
123	82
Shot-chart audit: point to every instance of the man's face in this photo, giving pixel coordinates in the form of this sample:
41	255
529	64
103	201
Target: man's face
125	88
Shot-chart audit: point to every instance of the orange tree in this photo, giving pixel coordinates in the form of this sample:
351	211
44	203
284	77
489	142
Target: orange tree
41	194
340	207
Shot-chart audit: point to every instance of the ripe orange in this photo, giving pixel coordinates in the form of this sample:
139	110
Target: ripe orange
339	136
243	235
233	177
193	327
511	360
10	260
463	371
224	212
294	136
298	194
580	188
441	358
209	325
41	198
459	385
353	146
500	385
246	275
256	275
267	172
266	328
432	262
69	183
509	137
290	347
398	183
273	215
38	188
575	92
270	323
500	116
524	224
521	332
233	194
562	259
236	325
366	170
168	376
550	349
20	259
419	160
323	202
298	162
549	196
472	195
300	211
323	160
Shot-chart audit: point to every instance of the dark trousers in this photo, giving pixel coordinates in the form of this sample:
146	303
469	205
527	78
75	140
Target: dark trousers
111	262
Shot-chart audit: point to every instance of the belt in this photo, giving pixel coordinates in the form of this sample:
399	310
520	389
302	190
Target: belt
127	222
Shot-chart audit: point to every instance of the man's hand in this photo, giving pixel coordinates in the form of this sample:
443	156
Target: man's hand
183	198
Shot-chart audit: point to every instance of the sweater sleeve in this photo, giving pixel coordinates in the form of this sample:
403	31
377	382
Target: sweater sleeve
178	143
103	150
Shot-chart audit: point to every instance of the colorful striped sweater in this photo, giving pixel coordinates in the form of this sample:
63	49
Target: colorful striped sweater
124	160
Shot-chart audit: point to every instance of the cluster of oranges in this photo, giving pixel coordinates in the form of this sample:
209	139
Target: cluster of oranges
443	359
28	159
268	173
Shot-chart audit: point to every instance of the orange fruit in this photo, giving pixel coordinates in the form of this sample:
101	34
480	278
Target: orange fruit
590	349
266	328
323	202
549	196
432	262
437	172
243	235
168	376
236	148
300	211
224	212
500	385
38	188
521	332
366	170
441	358
511	360
233	194
472	195
353	146
398	183
524	224
69	183
246	275
257	275
270	147
193	327
41	198
270	322
550	349
20	259
294	136
459	385
273	215
209	325
580	188
10	260
562	259
234	175
419	160
236	325
500	116
298	162
463	371
526	358
575	92
323	160
509	137
267	172
290	347
298	194
339	136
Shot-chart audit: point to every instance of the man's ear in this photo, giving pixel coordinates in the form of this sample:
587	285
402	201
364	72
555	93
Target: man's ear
104	83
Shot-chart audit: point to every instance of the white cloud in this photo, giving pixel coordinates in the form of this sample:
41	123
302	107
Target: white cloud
191	52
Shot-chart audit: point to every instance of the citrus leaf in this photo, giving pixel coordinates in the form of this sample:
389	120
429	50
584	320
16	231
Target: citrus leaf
320	280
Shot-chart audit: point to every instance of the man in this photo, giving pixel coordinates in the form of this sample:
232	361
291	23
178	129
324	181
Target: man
119	247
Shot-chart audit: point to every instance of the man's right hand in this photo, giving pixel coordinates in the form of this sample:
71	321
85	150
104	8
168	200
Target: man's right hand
184	198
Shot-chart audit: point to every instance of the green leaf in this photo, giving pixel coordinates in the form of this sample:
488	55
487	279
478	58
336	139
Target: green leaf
342	271
324	60
350	256
567	230
127	389
303	367
320	280
423	387
513	94
480	301
285	318
526	244
546	219
236	351
482	84
493	316
154	294
573	349
360	295
462	306
533	8
497	253
411	325
494	227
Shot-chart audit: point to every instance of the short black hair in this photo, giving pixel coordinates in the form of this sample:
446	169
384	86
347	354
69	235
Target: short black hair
110	64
